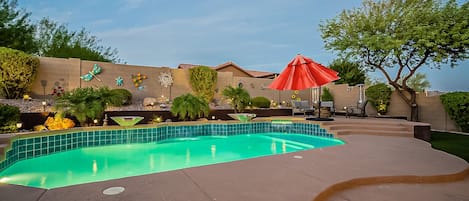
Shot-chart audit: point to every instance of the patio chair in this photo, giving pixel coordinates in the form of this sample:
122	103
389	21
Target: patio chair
301	107
330	105
359	110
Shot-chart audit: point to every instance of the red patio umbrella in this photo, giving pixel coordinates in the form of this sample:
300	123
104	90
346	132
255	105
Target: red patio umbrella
303	73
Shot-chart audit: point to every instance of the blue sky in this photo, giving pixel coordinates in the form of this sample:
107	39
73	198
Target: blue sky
257	34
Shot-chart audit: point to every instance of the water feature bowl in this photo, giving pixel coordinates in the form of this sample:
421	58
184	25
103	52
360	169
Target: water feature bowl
127	120
243	117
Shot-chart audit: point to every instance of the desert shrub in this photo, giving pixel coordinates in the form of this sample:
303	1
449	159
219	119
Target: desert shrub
260	102
456	105
125	94
189	107
9	116
203	80
17	72
379	96
326	95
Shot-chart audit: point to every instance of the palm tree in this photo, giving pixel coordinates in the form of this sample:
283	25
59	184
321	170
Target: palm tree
190	107
87	103
239	97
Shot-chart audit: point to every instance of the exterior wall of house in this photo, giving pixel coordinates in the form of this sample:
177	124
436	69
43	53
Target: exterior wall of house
234	70
66	73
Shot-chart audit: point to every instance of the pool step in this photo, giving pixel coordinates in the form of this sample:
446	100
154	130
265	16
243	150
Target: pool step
4	144
5	138
368	127
380	128
3	148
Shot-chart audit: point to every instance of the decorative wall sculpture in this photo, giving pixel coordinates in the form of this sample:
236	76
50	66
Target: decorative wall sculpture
138	80
92	74
119	81
165	79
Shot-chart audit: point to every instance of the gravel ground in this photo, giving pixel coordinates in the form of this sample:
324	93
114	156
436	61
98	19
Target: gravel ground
35	105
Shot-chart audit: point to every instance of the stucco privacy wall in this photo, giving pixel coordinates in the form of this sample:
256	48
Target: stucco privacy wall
66	73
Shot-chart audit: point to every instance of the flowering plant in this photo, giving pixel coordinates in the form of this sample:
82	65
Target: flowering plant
58	123
57	91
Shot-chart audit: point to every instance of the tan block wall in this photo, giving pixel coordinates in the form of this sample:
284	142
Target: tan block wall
181	83
67	72
431	111
56	71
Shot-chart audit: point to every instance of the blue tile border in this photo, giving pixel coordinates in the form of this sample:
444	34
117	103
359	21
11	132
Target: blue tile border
26	148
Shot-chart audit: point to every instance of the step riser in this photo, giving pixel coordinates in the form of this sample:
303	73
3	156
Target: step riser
366	128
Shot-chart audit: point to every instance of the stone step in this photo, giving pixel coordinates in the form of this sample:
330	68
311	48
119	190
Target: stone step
3	148
373	132
367	127
5	138
368	122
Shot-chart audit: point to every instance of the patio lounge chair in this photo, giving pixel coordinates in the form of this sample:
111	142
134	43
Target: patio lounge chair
301	107
359	110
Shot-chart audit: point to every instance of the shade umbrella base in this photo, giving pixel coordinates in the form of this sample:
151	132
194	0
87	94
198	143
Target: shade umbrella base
319	119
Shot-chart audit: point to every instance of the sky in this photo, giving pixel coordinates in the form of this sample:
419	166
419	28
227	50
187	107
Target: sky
259	35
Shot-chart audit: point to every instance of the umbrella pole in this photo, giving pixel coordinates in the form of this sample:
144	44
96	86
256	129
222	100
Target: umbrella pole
319	105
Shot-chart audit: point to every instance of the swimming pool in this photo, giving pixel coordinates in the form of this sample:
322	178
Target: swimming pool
131	152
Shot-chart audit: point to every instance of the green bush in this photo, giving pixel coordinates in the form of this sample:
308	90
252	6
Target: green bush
9	116
203	81
189	107
326	95
457	106
260	102
379	96
17	72
127	96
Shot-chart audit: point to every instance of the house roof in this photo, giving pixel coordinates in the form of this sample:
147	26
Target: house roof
251	73
261	74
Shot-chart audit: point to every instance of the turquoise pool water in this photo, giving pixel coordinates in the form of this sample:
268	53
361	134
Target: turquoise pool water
92	164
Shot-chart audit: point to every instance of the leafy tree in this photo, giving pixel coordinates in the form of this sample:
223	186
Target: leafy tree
57	41
188	106
418	82
401	34
17	72
350	72
203	80
16	32
239	97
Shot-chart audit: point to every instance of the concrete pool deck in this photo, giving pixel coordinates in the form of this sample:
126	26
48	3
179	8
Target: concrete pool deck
287	177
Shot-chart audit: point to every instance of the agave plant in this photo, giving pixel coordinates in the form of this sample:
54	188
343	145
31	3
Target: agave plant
190	107
239	97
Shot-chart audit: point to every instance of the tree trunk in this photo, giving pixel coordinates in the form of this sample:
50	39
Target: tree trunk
414	108
411	101
414	113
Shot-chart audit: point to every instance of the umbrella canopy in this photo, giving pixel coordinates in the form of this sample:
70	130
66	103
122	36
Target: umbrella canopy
302	73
